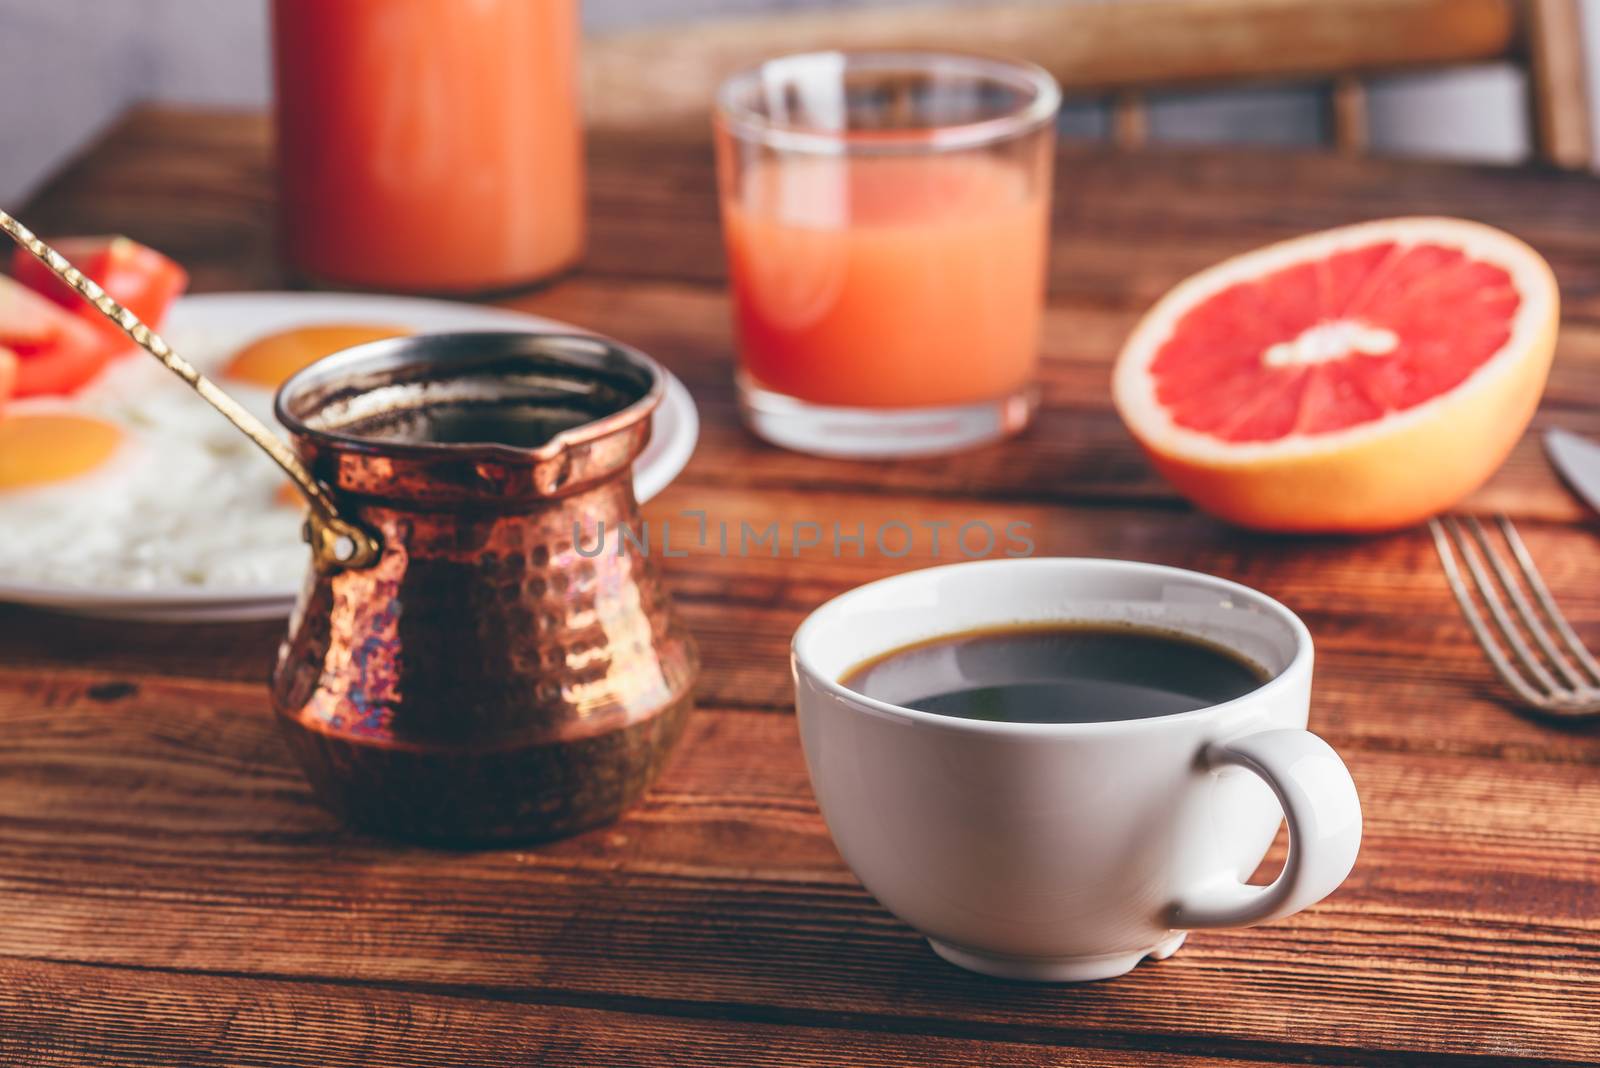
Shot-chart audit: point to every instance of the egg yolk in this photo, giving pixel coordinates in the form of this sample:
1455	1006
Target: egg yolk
268	361
38	448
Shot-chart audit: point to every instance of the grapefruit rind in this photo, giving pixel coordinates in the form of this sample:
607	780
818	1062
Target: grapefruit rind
1382	474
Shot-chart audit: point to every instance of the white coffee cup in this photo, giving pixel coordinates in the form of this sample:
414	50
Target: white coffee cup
1071	851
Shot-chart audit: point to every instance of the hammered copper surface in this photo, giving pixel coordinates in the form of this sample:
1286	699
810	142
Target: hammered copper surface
510	668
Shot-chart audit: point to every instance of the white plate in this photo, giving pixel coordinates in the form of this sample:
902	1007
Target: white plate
245	315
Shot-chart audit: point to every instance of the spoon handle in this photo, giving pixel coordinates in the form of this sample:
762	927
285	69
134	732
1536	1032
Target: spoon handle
335	542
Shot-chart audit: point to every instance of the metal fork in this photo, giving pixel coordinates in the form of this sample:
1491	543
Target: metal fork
1576	693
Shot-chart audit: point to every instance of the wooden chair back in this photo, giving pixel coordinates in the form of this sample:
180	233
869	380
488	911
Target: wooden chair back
1119	51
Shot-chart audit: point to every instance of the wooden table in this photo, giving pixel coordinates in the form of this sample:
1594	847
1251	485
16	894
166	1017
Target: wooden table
170	893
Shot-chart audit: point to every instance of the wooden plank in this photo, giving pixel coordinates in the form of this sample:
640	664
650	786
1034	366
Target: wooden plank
1348	105
200	188
1397	662
1381	603
165	829
1558	83
64	1016
1130	122
1382	600
1127	226
670	73
1077	451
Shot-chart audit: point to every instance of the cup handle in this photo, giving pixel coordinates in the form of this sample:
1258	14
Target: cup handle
1319	801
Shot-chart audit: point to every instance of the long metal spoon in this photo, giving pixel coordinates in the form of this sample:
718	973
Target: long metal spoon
335	542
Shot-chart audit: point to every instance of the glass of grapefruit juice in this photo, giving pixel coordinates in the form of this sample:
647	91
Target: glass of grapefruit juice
429	145
886	218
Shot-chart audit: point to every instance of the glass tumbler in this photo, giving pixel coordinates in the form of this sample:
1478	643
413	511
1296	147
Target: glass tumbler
886	217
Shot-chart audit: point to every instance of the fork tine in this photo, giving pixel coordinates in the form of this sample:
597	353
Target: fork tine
1508	632
1541	593
1480	630
1531	622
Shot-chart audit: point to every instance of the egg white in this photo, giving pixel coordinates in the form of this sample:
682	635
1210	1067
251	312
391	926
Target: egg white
185	501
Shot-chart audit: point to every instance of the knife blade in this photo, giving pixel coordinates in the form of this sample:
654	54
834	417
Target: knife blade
1578	460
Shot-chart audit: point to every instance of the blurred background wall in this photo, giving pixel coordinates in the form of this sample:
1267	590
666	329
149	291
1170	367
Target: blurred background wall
68	67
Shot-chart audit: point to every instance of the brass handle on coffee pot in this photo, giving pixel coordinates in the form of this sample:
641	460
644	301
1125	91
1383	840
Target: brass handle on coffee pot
336	542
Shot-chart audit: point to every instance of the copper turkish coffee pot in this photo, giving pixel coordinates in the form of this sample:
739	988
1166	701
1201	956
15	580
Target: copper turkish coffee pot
474	656
506	669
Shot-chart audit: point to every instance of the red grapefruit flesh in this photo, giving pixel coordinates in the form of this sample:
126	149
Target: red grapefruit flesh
1357	379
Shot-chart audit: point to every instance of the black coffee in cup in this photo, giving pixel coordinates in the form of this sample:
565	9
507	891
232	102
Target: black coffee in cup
1057	673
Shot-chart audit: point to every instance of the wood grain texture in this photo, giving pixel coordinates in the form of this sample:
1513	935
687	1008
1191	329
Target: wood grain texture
657	75
166	828
1127	225
110	1018
669	75
169	893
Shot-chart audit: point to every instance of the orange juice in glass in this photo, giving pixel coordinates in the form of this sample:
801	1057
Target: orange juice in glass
886	216
429	145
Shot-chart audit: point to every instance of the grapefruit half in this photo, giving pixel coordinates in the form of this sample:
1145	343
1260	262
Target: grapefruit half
1358	379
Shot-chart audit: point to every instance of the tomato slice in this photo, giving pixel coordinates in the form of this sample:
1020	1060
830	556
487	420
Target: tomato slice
137	276
56	352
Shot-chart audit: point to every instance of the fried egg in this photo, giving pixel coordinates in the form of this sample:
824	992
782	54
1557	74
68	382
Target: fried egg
134	483
269	361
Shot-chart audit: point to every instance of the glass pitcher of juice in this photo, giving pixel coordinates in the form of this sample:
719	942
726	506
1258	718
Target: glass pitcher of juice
429	145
